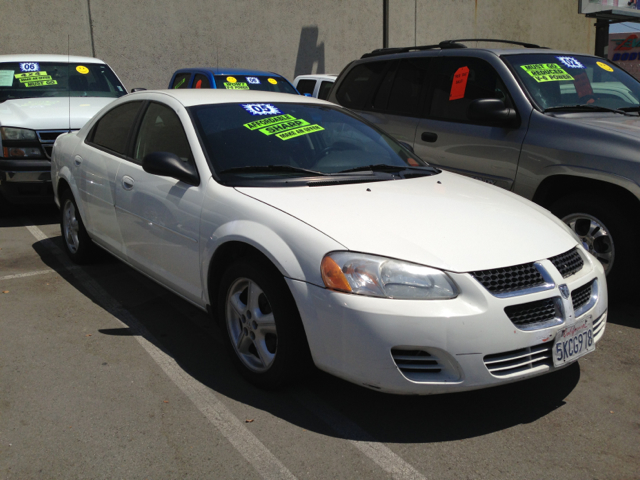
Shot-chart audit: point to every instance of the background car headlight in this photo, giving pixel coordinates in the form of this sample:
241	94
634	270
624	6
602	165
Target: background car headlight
10	133
385	277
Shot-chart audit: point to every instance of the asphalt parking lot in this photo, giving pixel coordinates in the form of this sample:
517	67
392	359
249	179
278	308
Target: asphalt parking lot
104	374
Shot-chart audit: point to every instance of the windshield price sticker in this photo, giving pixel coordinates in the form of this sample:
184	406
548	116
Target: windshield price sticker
236	86
299	131
573	342
260	108
459	83
253	80
604	66
269	121
29	67
547	72
35	79
282	127
570	62
6	78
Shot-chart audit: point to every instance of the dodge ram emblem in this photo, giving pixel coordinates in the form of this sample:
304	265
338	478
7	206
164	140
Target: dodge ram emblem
564	290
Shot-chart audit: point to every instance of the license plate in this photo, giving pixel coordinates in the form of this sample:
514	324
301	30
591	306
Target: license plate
573	342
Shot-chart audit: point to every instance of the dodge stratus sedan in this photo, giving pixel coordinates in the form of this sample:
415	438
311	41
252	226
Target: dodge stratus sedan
314	238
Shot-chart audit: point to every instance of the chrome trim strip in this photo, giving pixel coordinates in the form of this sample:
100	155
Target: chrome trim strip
547	285
592	301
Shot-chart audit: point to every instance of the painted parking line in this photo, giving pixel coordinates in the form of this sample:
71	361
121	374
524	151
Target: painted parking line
31	274
245	442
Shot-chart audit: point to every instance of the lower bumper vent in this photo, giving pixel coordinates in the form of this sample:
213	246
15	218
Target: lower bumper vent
419	365
519	361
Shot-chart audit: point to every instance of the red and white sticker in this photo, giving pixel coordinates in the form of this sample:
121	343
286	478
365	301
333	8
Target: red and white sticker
459	84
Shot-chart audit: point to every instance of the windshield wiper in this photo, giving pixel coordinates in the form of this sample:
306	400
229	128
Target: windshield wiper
631	109
595	108
382	167
271	168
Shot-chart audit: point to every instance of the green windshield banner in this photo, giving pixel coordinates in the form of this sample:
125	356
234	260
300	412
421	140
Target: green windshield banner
547	72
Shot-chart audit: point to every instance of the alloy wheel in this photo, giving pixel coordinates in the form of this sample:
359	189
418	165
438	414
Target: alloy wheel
595	237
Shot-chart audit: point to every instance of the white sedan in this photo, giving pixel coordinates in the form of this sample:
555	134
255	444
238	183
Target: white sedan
314	238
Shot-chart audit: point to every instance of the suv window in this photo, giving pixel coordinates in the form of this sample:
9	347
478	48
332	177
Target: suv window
406	92
325	88
201	81
360	84
181	80
112	131
161	131
306	86
459	81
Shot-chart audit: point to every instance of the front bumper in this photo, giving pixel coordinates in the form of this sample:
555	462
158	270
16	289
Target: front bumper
364	339
26	181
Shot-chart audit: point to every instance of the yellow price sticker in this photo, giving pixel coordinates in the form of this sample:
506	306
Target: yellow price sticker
272	81
82	69
604	66
231	79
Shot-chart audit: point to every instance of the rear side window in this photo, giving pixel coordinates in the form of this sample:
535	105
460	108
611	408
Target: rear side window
201	81
405	94
325	88
461	80
357	89
306	86
181	80
112	130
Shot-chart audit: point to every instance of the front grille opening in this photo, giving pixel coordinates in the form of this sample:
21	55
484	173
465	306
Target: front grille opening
520	362
581	296
535	315
509	279
568	263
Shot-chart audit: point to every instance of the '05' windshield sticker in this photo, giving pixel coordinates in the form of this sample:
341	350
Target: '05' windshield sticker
253	80
6	78
236	86
570	62
29	67
35	79
261	108
547	72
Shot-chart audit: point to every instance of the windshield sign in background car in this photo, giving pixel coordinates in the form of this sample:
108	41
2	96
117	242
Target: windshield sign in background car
315	238
42	97
230	79
559	128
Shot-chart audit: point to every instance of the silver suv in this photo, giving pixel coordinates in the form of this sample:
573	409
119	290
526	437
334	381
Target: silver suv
558	128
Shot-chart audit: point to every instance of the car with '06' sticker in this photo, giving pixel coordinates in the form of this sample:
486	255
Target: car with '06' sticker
230	79
314	238
559	128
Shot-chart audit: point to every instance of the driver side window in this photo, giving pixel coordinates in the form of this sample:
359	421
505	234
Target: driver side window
161	131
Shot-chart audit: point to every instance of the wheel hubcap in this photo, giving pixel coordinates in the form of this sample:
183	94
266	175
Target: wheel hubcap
595	237
70	226
251	325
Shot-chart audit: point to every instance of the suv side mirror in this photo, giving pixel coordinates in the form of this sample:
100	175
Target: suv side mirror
168	164
492	110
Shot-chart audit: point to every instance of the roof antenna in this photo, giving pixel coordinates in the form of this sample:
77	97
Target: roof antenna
68	76
216	58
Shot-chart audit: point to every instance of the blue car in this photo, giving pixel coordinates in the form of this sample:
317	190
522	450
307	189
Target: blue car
231	79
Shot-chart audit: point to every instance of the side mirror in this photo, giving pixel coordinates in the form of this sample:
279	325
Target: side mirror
138	89
493	111
168	164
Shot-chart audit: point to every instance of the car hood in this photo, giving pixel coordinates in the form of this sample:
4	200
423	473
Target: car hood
51	113
629	125
445	221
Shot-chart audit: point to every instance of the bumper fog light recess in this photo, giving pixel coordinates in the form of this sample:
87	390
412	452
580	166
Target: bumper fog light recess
420	365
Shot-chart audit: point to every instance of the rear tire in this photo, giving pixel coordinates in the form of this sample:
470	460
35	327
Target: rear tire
264	333
77	243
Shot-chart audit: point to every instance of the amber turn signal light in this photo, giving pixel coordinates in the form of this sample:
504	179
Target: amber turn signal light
332	275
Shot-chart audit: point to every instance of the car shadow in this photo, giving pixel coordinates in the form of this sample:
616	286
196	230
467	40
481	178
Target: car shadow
195	342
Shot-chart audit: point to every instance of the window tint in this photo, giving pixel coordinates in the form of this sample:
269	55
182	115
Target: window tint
161	131
325	88
458	82
181	80
112	130
409	82
358	87
306	86
201	81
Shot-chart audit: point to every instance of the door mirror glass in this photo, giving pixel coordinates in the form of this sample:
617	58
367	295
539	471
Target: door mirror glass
168	164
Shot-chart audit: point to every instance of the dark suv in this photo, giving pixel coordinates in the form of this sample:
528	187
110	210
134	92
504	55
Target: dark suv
558	128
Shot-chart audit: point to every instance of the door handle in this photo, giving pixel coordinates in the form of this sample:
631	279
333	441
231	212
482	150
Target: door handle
429	137
77	160
127	182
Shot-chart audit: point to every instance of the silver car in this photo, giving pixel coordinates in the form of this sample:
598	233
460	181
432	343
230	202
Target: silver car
558	128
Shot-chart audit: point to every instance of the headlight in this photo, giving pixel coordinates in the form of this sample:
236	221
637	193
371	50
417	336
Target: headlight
10	133
384	277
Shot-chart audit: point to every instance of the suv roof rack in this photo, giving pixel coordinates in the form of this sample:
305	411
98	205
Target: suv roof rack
444	45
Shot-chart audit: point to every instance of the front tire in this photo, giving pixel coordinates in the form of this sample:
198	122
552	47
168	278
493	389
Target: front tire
77	243
265	336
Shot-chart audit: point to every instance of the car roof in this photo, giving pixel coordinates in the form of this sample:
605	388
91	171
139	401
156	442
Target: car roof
433	52
202	96
317	76
36	57
226	71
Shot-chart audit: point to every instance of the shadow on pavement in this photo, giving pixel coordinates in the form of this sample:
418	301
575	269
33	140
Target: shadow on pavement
190	336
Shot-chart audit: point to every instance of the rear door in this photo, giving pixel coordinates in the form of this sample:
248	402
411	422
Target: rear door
446	137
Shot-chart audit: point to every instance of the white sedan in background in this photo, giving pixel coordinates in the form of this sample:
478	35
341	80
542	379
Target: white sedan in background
314	238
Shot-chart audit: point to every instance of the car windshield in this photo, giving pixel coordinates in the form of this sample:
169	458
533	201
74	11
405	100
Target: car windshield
265	83
54	79
556	81
287	140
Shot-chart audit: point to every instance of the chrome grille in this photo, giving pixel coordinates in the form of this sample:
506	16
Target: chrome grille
519	361
568	263
510	279
581	296
47	139
535	315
